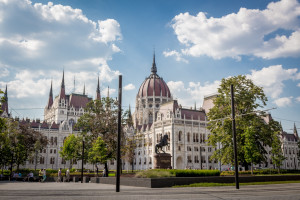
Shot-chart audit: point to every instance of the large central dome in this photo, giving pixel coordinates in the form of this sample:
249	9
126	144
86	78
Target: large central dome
154	85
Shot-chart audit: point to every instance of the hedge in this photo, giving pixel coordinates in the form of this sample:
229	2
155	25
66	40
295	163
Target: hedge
157	173
260	172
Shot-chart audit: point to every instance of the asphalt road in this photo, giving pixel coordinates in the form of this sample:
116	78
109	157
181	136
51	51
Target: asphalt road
45	191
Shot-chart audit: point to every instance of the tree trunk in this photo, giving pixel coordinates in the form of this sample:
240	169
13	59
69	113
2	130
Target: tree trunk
132	167
36	155
11	166
252	168
97	170
106	169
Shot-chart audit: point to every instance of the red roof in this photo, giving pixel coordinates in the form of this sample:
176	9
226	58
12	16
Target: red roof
34	124
192	114
78	100
156	84
44	125
54	126
289	137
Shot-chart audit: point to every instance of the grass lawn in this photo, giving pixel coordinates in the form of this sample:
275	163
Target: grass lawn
233	184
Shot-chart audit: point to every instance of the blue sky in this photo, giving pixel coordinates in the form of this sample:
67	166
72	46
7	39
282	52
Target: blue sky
197	43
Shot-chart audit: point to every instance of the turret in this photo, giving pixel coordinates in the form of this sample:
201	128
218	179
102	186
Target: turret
83	89
62	94
153	68
50	100
295	131
98	95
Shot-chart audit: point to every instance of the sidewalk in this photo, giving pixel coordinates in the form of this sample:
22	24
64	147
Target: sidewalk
45	191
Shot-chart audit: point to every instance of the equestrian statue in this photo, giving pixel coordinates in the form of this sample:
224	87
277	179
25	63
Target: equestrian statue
163	142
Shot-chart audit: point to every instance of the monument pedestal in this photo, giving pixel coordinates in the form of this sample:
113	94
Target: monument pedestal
162	161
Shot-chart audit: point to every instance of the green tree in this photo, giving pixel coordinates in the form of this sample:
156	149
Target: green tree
71	149
128	151
276	151
4	149
248	98
98	153
101	120
252	148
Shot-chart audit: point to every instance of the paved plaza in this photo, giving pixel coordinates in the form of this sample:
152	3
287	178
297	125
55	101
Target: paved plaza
45	191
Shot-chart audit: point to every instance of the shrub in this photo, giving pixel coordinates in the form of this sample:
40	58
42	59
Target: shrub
157	173
194	173
153	173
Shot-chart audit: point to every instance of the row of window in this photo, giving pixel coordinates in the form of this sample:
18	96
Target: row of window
196	137
289	151
196	159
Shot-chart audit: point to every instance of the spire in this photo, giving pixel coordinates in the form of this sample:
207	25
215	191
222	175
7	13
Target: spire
62	94
5	94
154	69
129	110
295	131
129	119
50	100
195	107
98	95
281	129
83	89
63	80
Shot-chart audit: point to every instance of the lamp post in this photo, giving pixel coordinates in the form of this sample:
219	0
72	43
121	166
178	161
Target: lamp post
82	159
237	184
119	136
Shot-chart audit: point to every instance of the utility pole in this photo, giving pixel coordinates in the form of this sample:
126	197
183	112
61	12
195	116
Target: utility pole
119	136
236	167
82	160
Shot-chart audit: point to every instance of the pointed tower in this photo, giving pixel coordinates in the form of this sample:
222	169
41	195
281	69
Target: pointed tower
50	100
296	132
83	89
107	92
4	105
281	129
129	119
62	94
153	68
98	95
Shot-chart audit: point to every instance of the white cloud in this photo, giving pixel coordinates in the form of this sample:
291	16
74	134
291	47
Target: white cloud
284	101
247	32
50	36
38	41
107	74
130	86
298	99
109	31
272	78
298	85
195	92
177	55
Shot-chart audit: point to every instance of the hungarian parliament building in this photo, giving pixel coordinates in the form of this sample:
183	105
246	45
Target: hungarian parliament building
156	114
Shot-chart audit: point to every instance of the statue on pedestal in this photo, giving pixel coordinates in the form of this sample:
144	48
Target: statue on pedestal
163	142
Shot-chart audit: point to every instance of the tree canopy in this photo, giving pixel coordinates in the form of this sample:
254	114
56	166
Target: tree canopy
251	130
